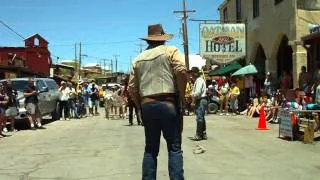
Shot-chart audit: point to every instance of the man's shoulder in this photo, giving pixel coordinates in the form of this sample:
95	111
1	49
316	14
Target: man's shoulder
200	80
170	49
151	53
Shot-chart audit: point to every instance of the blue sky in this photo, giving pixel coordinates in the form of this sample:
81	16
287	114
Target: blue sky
105	27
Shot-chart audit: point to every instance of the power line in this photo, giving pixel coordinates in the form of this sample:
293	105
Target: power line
95	43
11	29
185	30
116	59
141	45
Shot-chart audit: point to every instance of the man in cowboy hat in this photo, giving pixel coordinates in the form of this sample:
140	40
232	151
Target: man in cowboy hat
157	78
199	101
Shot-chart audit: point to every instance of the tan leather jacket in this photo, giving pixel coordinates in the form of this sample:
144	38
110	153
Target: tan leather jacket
154	72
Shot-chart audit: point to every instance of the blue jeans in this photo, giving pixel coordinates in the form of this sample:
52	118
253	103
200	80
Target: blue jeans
201	110
73	108
161	116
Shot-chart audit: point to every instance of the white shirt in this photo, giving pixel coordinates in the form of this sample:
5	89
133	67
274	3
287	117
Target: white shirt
199	88
64	94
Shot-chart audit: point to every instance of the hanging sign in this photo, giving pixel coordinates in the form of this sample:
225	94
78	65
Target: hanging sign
222	43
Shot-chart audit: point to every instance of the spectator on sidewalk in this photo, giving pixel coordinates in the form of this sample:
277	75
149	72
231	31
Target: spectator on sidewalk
188	97
304	80
224	96
31	94
235	92
285	81
94	99
269	85
12	109
72	101
3	103
64	100
86	92
137	112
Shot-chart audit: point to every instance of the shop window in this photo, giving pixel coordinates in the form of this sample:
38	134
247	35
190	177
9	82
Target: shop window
256	8
238	9
36	42
277	1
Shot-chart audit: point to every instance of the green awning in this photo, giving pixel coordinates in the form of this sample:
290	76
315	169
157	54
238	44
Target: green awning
224	70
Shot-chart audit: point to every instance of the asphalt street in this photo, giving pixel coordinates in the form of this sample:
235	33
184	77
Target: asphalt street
98	149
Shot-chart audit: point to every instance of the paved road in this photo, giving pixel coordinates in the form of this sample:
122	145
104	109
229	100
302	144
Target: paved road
98	149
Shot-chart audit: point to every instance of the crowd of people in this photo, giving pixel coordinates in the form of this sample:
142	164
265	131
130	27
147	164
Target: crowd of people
84	98
246	96
76	101
9	106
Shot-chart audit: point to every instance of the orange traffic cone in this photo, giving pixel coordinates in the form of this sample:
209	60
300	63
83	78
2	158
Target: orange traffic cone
262	125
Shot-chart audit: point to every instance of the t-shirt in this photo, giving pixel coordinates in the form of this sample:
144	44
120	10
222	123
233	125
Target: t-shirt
199	88
12	95
64	93
95	94
225	89
235	91
31	99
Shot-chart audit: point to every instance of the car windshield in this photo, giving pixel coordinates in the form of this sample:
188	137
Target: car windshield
51	85
20	85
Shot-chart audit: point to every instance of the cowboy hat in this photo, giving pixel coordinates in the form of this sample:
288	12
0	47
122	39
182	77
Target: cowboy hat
156	33
194	70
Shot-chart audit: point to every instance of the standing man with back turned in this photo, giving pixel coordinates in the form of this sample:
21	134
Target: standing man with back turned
157	82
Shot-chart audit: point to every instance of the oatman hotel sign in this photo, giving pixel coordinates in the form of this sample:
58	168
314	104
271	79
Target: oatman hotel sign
222	43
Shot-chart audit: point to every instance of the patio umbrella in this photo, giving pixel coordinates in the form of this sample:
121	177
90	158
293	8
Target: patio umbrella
225	69
250	69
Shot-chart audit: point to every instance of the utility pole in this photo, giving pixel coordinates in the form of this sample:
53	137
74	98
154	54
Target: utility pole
79	70
111	65
104	66
116	59
141	45
75	57
185	31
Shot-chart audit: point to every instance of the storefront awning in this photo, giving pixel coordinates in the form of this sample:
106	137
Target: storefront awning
224	70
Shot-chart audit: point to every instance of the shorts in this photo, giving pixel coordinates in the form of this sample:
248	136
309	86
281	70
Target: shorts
12	112
32	108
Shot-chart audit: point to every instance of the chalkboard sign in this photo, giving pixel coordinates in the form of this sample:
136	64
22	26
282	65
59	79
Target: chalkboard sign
286	127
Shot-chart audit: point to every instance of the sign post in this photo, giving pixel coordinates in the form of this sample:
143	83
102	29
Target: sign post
286	127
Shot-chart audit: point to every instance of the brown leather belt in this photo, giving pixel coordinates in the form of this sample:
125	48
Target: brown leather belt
166	98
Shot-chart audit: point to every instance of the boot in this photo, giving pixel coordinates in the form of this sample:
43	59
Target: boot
204	131
198	136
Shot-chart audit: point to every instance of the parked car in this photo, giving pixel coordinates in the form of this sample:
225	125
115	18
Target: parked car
48	97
